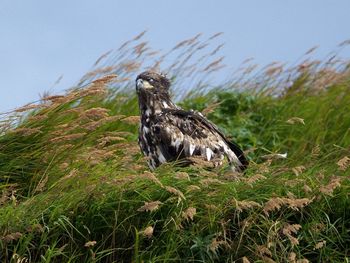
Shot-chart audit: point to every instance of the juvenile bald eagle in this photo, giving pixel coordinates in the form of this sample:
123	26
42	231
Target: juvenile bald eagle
168	133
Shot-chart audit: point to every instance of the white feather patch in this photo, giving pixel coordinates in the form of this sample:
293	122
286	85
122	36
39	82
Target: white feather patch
192	148
148	112
209	153
165	104
145	129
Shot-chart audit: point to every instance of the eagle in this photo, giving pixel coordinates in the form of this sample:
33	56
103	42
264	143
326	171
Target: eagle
169	133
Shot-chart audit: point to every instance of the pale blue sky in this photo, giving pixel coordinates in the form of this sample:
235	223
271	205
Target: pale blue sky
41	40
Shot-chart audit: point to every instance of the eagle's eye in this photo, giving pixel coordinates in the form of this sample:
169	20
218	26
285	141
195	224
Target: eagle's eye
151	80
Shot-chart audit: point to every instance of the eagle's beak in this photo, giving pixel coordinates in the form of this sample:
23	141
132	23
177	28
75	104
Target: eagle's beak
143	84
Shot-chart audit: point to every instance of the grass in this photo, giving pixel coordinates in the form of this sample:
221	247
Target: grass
75	187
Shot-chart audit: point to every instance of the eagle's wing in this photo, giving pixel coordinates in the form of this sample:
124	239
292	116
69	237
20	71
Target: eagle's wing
182	134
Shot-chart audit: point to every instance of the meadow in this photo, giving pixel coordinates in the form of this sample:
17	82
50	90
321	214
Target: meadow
75	187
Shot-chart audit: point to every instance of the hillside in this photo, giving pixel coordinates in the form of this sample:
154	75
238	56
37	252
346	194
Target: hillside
75	187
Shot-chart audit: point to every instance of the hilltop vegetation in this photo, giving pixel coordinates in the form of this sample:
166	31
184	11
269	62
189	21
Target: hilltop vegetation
75	187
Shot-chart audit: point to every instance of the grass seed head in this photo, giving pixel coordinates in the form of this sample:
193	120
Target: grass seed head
150	206
320	244
295	120
334	183
343	163
148	232
189	213
90	244
175	191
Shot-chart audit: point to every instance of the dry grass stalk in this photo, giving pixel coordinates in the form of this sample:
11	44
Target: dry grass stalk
150	206
288	230
148	232
10	237
211	207
215	244
90	244
298	170
38	118
41	185
96	113
29	107
295	120
182	176
210	108
265	166
64	147
307	189
37	228
274	70
276	203
96	88
315	152
54	98
71	174
343	163
70	137
7	193
108	139
311	50
118	133
254	178
130	66
245	205
98	71
320	244
245	260
264	251
292	257
152	177
27	131
131	148
105	79
189	213
334	183
213	64
175	191
96	156
216	50
140	48
124	180
192	188
132	120
209	181
91	126
102	57
201	162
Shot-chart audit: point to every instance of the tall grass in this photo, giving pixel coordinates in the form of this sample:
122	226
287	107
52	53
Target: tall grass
75	188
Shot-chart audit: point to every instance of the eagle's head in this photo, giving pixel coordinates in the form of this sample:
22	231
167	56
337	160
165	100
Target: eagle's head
152	83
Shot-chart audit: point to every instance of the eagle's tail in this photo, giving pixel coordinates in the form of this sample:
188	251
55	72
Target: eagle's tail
240	155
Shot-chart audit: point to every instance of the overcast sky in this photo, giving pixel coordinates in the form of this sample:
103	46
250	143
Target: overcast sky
42	40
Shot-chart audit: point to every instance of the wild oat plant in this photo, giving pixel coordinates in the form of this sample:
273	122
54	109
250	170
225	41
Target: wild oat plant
75	188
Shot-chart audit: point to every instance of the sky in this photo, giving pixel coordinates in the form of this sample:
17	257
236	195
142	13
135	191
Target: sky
42	40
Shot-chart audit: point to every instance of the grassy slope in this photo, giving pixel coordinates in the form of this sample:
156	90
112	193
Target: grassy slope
72	173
